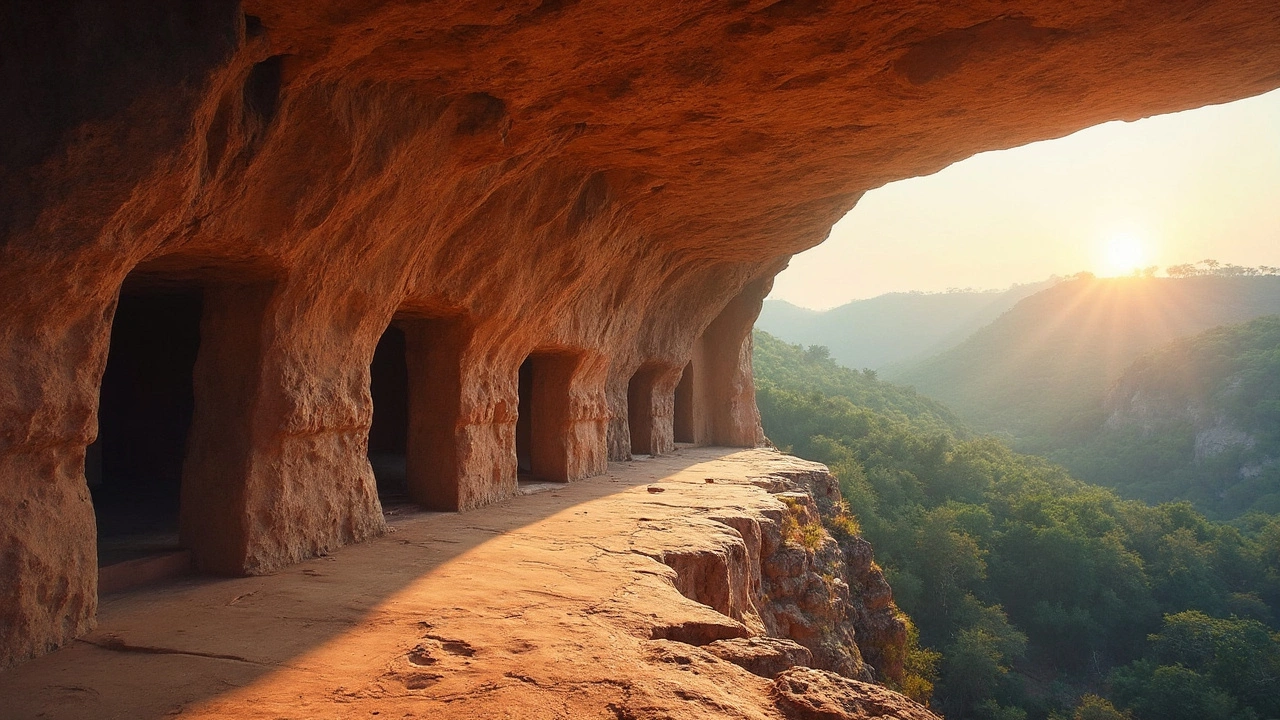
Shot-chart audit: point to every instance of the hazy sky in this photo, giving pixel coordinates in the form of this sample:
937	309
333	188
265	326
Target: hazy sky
1161	191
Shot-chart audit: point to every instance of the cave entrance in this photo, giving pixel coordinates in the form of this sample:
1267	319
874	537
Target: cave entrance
389	432
640	415
682	419
542	425
134	467
415	380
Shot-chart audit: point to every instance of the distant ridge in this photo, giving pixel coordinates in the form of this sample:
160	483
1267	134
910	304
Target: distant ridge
895	328
1040	371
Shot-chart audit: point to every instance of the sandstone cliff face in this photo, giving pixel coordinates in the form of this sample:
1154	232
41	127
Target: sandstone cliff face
782	575
600	189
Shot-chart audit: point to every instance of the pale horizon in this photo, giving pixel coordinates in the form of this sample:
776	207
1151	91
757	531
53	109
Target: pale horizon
1109	199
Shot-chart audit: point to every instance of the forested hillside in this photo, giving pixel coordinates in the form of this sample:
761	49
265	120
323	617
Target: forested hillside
894	328
1198	419
813	370
1035	595
1040	372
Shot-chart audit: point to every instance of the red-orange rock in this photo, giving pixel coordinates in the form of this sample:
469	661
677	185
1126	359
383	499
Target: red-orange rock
808	694
603	189
764	656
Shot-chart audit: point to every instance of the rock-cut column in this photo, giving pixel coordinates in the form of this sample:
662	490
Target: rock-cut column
53	348
724	390
226	448
277	469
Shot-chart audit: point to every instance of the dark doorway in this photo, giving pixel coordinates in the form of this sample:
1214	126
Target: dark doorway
524	423
389	433
682	422
640	411
134	468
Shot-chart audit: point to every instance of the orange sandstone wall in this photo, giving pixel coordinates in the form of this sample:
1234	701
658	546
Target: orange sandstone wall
612	184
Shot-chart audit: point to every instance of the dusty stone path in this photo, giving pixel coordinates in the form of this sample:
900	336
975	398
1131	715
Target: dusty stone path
544	606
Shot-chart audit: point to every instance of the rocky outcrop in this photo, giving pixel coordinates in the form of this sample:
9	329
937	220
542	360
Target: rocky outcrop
598	192
828	593
782	575
807	694
1206	400
763	655
1133	402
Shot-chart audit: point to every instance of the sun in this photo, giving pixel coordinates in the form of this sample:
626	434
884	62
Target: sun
1123	253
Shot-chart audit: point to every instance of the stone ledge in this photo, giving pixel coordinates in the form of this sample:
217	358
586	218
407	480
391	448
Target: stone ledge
547	605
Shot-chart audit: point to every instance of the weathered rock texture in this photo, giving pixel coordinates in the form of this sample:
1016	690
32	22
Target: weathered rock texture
761	655
829	598
546	606
607	187
825	593
807	694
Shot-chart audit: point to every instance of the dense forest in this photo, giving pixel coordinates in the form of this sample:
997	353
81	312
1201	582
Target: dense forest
1034	595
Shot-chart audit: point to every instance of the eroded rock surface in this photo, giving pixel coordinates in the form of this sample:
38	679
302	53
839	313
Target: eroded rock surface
546	606
828	595
770	578
765	656
808	694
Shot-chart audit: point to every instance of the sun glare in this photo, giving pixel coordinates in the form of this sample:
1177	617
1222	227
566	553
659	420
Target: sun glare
1123	254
